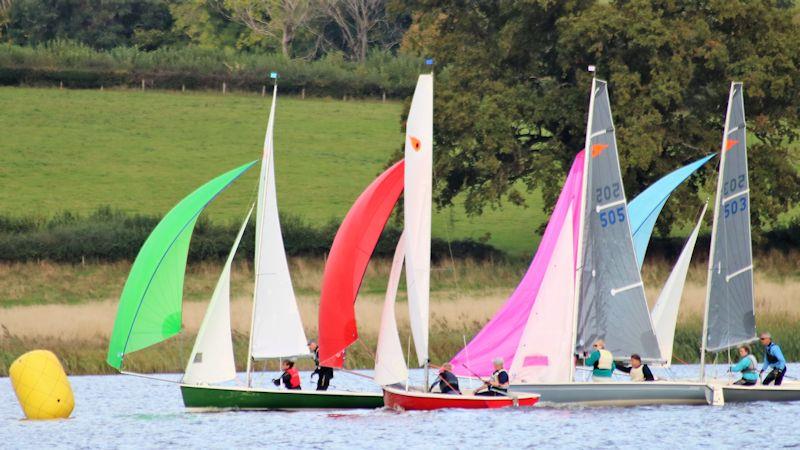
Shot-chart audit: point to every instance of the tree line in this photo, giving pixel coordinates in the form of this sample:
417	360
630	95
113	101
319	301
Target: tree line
305	29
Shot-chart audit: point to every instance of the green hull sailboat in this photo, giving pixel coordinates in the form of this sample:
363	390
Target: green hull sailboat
150	309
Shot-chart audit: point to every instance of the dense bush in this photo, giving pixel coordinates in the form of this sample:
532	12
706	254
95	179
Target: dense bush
108	235
78	66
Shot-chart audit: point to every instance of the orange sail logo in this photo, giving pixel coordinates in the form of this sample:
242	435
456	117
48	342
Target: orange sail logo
597	149
415	143
729	145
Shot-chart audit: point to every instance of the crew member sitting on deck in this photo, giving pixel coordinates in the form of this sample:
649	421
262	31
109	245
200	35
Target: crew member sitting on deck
602	362
324	374
290	376
773	359
447	380
637	370
498	384
747	365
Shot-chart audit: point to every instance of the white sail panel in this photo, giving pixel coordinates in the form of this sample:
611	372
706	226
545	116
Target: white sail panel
665	311
212	360
277	330
417	210
390	367
544	354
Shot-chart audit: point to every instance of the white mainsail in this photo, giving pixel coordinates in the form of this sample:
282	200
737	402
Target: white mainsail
390	367
276	329
417	211
212	360
542	356
665	312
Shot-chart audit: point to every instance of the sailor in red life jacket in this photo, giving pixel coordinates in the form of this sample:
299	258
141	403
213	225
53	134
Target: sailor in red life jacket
290	376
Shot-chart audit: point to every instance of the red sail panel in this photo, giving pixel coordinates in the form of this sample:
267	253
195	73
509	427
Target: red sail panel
350	253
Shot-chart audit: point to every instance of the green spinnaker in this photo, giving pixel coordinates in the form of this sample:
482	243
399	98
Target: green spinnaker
150	305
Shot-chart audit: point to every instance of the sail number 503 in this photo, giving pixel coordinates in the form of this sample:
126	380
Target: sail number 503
612	216
735	206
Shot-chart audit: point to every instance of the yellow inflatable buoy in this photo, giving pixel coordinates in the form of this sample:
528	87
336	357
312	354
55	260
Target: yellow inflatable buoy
41	385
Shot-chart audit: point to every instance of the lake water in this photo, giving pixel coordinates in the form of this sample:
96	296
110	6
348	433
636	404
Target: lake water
130	412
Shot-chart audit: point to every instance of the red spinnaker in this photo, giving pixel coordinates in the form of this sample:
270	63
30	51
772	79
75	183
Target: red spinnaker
350	253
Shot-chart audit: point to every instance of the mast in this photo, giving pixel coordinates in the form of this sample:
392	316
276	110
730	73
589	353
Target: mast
429	62
584	199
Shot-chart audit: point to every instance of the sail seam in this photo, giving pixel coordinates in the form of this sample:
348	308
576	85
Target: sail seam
626	288
728	278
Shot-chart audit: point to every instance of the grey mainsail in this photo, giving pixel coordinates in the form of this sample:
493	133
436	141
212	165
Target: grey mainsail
612	304
730	313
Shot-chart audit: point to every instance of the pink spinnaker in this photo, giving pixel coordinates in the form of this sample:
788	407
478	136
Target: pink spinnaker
501	336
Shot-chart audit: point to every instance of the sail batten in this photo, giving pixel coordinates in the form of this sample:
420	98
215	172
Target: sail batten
610	288
730	313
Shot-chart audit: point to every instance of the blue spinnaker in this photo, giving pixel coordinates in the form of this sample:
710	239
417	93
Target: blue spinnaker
645	208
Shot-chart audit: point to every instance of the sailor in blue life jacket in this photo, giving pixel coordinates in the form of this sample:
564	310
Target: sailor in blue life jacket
290	377
498	384
773	360
602	362
447	380
637	370
748	365
324	374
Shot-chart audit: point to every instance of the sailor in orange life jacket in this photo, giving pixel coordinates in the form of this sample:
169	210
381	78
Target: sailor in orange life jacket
290	376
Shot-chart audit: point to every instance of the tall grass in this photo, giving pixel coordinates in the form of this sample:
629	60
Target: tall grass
77	65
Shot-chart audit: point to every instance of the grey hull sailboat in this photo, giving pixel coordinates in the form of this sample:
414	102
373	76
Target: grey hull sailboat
730	306
609	301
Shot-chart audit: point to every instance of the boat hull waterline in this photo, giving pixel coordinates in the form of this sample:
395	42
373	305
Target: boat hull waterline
240	398
402	400
620	393
788	392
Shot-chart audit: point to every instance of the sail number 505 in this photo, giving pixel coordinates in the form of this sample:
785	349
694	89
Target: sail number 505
612	216
607	193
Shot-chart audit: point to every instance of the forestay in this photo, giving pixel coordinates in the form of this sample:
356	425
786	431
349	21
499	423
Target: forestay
390	367
730	302
150	305
612	303
417	210
665	311
212	360
277	330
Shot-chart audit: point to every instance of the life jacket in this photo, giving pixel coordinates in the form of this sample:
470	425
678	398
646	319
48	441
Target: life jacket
294	381
751	368
606	360
496	379
637	373
772	359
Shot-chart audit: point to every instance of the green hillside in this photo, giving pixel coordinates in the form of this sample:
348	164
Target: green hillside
75	150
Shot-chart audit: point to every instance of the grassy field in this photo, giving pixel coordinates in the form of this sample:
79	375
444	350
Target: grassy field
76	150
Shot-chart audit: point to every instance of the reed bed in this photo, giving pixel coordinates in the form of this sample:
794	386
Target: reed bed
70	309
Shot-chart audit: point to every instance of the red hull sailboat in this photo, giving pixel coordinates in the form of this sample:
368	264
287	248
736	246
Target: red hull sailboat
403	400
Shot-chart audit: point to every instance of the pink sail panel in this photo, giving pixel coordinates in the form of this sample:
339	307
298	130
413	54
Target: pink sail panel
350	253
501	336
